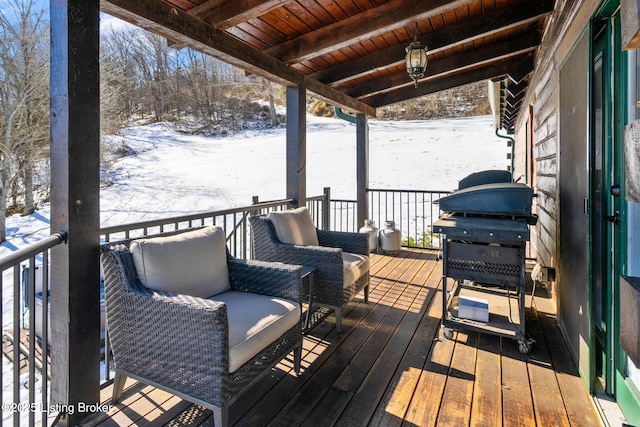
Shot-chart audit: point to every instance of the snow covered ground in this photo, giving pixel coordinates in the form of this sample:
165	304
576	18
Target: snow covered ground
175	174
171	173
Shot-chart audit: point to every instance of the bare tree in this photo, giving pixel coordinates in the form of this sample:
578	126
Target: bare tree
119	83
141	73
272	106
24	88
200	83
152	57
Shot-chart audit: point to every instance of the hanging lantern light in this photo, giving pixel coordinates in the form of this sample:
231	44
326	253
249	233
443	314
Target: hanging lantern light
416	60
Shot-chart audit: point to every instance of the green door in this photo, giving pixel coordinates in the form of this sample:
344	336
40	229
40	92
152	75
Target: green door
627	375
605	216
610	214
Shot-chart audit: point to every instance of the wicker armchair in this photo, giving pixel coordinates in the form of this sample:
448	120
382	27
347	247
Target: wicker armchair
180	343
330	257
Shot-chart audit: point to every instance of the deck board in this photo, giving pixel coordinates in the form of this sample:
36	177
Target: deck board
547	398
365	374
458	393
402	388
427	398
517	402
371	390
391	366
356	336
487	394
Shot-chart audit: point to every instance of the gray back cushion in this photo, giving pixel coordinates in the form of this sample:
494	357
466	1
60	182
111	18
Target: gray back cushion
191	263
294	226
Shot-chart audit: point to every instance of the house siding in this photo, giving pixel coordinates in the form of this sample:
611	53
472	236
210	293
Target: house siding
567	23
567	26
520	156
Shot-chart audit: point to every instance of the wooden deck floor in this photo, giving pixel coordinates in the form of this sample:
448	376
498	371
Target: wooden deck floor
391	366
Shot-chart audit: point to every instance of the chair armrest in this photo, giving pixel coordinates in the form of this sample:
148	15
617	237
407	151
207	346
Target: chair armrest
167	317
328	260
308	255
266	278
158	336
357	243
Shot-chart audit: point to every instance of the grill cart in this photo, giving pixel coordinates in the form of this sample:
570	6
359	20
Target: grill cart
485	230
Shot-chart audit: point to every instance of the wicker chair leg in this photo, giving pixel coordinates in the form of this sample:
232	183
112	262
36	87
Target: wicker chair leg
338	312
118	386
297	357
366	294
220	416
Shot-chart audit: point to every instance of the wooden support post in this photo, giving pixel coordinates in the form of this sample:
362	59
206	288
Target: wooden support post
362	167
297	145
75	196
326	209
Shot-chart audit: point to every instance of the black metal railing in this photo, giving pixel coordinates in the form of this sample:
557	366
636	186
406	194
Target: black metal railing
412	211
320	208
234	221
28	270
344	215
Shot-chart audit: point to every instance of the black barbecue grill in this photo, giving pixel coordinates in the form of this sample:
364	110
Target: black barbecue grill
485	230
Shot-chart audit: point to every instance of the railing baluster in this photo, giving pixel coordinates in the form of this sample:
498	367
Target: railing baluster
16	342
2	322
380	224
415	222
415	215
24	298
31	359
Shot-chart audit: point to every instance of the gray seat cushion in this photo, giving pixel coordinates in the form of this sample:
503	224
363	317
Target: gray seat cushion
354	266
255	321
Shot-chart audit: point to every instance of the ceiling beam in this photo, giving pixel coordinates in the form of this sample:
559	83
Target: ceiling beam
449	81
373	22
224	14
493	22
161	18
459	62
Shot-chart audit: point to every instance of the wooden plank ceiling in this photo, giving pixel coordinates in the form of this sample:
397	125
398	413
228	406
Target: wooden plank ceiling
351	52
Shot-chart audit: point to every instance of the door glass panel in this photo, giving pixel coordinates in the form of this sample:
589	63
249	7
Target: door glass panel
633	212
633	251
633	208
597	238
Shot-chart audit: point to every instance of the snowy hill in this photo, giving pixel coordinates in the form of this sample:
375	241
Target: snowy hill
169	173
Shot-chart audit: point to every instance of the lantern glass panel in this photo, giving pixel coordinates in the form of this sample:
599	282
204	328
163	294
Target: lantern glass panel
416	58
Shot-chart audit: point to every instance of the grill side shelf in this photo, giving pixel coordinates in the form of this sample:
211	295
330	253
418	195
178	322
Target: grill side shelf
479	229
